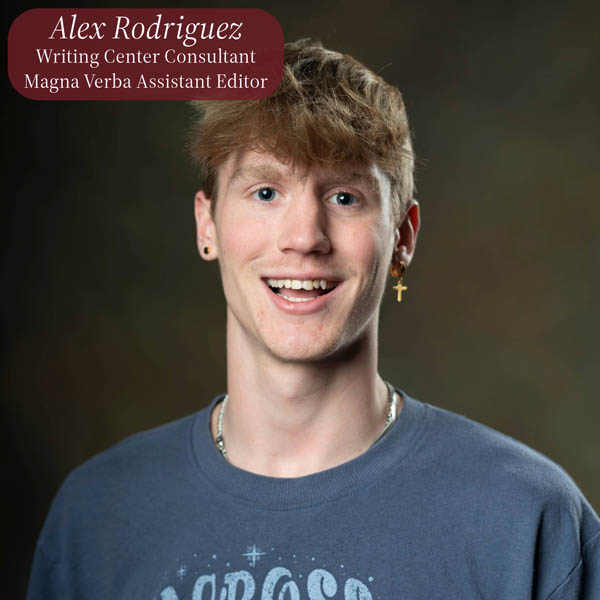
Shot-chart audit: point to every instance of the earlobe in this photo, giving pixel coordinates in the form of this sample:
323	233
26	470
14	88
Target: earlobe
206	239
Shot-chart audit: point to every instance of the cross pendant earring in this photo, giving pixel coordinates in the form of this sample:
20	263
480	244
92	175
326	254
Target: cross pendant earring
400	289
395	272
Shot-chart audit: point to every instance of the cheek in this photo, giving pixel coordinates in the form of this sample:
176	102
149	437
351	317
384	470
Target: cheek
241	239
369	249
239	243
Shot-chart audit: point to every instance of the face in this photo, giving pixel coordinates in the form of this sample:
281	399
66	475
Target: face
303	256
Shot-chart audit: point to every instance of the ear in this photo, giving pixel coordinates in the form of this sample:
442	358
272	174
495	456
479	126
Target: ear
206	233
406	235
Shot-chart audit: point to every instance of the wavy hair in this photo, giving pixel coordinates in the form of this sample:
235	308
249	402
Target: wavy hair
329	109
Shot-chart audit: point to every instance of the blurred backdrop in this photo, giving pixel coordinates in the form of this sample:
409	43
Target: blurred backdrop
112	324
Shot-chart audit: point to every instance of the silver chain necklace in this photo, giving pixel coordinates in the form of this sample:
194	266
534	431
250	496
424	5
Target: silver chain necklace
389	420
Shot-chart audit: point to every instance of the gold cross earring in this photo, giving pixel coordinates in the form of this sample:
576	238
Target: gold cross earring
399	273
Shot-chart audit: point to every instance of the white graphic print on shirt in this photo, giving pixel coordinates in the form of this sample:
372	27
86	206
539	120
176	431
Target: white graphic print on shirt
240	578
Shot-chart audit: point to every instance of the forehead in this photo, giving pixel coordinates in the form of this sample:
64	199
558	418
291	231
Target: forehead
248	166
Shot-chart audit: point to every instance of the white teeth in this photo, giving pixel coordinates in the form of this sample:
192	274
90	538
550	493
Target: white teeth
291	299
300	284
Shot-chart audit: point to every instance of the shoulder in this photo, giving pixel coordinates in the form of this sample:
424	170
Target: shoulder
485	452
494	492
126	496
140	454
134	473
503	477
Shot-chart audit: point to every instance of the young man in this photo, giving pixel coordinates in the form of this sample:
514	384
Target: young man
312	478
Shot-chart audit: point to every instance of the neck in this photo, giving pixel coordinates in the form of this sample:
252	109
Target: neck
288	419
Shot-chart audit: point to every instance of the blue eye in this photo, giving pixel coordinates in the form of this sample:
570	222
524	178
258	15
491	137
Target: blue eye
266	194
343	199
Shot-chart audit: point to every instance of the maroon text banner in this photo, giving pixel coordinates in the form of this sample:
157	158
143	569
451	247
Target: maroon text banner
145	54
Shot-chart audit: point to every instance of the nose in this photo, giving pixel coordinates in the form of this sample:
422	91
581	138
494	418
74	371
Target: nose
303	226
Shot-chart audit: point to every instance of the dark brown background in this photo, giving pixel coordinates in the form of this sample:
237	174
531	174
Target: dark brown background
112	324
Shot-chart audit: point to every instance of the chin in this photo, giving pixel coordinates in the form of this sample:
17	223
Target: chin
298	352
305	349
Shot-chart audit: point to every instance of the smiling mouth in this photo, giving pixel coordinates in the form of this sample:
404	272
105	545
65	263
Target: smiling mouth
301	290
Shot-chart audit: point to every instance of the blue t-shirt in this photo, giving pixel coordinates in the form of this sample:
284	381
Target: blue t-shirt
440	508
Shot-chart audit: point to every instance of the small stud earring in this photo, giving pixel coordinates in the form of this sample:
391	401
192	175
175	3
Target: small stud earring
206	250
399	273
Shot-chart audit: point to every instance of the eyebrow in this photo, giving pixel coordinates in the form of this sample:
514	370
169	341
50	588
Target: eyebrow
353	178
255	172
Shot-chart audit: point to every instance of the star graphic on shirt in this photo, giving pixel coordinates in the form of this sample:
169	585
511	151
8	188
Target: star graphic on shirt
253	554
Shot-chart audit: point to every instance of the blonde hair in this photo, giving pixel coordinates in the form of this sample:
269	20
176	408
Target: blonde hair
329	109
